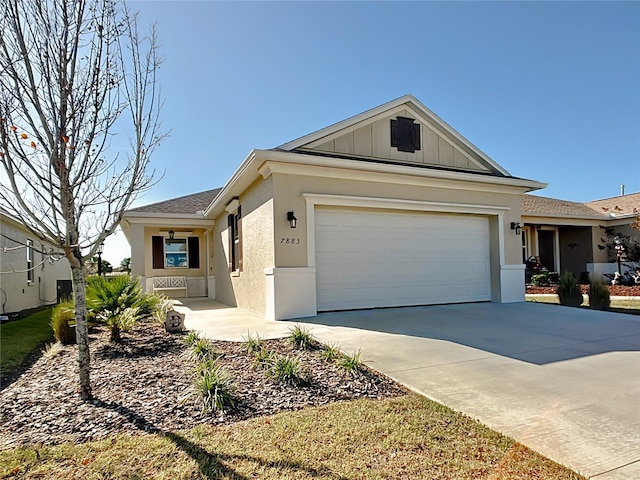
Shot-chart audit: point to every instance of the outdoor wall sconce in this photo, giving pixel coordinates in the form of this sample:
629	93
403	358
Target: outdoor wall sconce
516	226
171	234
291	218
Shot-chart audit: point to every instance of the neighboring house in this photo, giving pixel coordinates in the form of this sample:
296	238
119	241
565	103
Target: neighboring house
391	207
31	272
578	237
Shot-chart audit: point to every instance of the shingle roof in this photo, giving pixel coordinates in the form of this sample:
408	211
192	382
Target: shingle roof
188	204
536	205
618	206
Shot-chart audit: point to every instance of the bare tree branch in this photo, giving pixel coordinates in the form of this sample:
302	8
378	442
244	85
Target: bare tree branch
76	78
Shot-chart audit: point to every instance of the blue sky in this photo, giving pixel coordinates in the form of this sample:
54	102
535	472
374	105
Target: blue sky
549	90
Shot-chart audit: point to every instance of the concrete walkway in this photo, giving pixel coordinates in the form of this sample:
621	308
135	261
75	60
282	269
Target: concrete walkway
563	381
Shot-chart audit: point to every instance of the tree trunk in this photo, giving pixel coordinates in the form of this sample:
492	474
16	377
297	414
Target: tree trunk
82	330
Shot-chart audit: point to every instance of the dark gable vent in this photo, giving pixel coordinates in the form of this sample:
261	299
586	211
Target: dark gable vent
405	134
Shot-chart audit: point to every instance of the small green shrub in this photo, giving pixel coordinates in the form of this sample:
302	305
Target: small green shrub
301	338
599	297
352	363
253	344
569	292
330	352
541	279
63	317
214	386
288	370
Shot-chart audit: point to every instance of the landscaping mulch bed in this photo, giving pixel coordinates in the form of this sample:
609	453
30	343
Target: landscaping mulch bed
614	290
143	385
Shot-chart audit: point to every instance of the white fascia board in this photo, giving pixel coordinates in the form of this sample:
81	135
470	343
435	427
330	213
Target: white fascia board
164	219
242	178
273	161
569	220
318	134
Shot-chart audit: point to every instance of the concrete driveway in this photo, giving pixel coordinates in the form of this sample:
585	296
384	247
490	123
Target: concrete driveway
563	381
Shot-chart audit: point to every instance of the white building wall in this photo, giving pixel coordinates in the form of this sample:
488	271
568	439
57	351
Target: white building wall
16	291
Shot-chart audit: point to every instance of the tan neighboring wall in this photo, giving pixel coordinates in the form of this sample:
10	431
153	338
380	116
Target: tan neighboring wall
16	292
246	289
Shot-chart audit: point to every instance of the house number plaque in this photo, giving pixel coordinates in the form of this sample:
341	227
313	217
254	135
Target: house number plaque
290	241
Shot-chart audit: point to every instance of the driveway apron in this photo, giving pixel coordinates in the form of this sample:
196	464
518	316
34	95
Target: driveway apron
563	381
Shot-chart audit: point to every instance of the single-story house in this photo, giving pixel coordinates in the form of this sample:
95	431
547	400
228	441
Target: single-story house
391	207
33	273
579	237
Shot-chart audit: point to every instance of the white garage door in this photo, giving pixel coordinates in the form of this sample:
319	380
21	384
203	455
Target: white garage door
369	258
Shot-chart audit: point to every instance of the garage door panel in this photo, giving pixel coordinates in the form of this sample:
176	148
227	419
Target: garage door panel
374	259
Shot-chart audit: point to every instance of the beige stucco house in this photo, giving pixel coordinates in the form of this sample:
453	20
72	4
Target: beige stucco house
578	237
391	207
32	272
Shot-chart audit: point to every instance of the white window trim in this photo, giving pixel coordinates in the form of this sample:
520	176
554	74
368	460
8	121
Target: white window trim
164	246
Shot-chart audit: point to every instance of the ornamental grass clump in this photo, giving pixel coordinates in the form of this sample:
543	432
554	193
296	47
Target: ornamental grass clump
330	352
201	350
213	386
599	296
63	318
301	338
191	338
569	292
288	370
253	344
264	358
352	363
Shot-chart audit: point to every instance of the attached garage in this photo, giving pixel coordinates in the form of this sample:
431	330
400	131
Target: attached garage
380	258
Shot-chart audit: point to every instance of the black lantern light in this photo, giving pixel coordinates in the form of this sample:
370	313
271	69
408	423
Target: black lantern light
291	218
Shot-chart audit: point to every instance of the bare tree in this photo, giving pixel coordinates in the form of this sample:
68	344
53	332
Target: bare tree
79	118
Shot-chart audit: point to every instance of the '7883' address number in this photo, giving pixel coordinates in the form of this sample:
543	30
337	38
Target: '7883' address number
290	241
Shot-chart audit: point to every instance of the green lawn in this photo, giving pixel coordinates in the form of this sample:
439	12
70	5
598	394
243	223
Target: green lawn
18	338
407	437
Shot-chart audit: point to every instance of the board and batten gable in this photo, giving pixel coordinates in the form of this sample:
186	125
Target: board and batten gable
371	139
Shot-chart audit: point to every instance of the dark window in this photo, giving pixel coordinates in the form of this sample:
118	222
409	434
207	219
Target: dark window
405	134
235	241
30	261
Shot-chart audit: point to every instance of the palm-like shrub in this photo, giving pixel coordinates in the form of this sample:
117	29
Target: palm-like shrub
599	296
62	317
569	292
119	301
